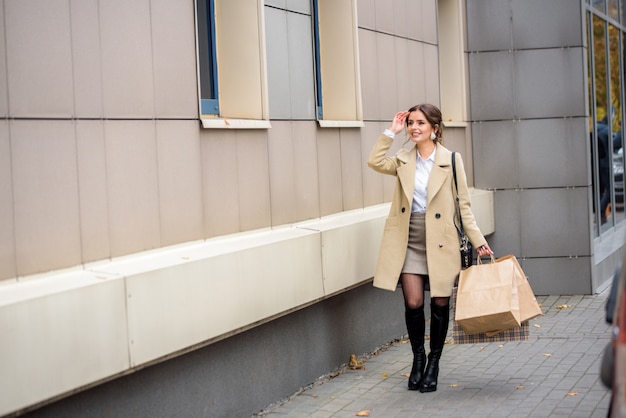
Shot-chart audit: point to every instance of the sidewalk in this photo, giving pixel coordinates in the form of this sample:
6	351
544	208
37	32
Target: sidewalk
554	374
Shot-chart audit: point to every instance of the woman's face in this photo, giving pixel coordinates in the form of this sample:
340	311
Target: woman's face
419	128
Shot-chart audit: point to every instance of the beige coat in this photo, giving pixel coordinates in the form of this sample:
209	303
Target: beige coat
442	239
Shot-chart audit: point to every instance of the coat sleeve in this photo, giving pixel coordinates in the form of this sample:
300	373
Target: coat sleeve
378	159
465	206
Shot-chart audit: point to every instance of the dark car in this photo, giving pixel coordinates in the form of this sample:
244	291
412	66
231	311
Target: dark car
613	371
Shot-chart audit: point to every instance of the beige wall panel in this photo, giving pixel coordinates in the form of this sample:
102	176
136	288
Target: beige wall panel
180	181
405	74
307	177
283	170
4	93
220	182
351	168
372	181
92	187
254	179
431	72
132	186
429	21
366	14
388	82
7	233
39	61
369	64
87	58
329	168
243	59
417	89
127	71
175	76
414	13
45	188
384	16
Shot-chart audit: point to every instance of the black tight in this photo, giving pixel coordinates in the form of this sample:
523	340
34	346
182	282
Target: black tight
413	291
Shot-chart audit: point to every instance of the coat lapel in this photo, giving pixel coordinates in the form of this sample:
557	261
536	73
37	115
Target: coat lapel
406	172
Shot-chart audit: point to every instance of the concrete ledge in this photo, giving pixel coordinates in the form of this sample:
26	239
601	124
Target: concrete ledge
64	331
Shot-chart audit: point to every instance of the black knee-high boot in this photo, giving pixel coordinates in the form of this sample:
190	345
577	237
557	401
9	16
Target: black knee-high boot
416	327
439	318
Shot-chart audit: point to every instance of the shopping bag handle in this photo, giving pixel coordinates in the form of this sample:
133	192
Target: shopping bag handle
480	261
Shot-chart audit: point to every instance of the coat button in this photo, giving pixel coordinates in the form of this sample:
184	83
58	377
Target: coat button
403	210
440	245
437	215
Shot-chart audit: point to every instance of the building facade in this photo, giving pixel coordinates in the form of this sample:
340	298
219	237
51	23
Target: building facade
189	225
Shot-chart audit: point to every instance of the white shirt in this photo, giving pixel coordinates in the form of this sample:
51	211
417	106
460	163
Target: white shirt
422	173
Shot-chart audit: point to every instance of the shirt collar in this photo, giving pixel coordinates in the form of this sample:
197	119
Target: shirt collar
431	157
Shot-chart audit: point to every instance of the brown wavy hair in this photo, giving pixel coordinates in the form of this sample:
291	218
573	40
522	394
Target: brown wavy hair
433	116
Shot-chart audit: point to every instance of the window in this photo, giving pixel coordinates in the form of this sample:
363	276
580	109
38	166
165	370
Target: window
606	92
231	64
312	60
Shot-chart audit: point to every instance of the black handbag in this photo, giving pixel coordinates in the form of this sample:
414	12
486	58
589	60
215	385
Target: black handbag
467	256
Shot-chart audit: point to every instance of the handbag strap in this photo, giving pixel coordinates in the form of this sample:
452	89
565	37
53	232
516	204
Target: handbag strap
456	189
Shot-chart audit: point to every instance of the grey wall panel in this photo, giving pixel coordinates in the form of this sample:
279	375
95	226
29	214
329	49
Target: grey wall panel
496	156
558	276
491	86
507	236
291	79
488	25
552	152
554	222
550	83
277	63
546	24
301	66
39	33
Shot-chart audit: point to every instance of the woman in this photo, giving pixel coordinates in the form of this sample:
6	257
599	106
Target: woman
420	244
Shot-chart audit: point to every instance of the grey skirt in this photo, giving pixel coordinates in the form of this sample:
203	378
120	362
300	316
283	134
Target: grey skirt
415	259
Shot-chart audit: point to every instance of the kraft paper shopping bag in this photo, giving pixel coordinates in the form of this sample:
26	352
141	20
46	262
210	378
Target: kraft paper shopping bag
487	300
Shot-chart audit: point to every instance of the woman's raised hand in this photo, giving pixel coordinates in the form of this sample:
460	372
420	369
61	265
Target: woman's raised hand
399	122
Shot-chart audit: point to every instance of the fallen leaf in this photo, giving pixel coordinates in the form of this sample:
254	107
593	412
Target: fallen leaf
405	374
563	306
547	354
404	341
520	387
365	413
448	342
384	374
537	326
226	122
454	385
501	345
572	393
355	364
